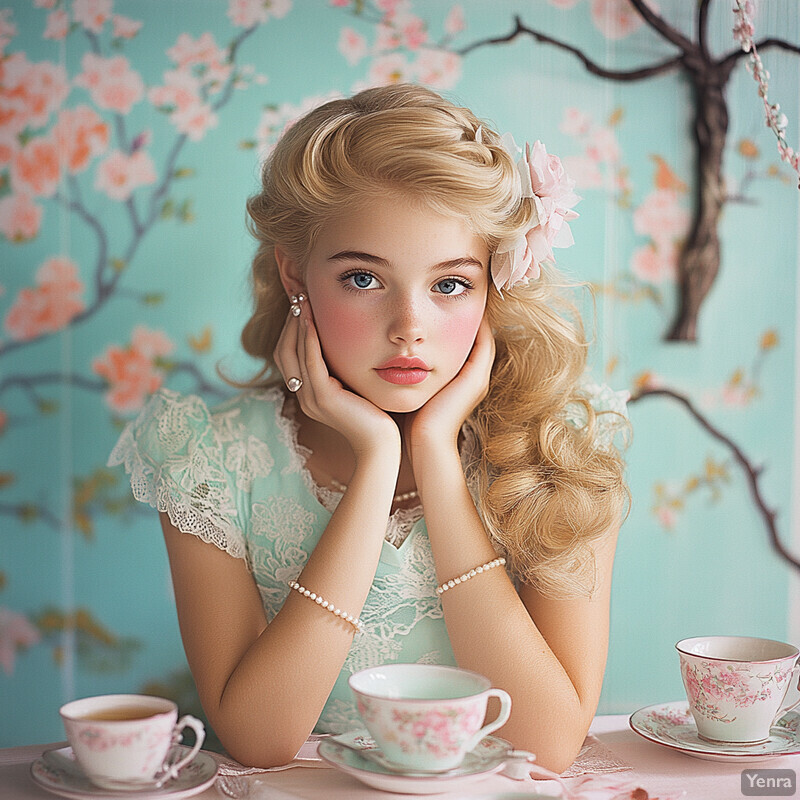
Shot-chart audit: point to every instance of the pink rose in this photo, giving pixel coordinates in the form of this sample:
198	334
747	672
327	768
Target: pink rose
542	178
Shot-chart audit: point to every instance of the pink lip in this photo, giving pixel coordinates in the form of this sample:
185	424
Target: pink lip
404	370
405	362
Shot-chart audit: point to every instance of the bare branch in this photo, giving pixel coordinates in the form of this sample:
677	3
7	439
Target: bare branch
660	25
734	56
702	28
591	66
752	472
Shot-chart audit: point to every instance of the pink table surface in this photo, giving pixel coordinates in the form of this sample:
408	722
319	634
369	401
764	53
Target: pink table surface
659	770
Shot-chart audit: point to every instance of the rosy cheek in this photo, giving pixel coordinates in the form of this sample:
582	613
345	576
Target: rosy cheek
341	331
459	333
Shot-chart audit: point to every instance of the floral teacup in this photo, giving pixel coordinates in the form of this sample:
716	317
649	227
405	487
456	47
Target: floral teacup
122	741
426	718
736	685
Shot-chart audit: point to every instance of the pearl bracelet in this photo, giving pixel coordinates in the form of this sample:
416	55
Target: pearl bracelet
497	562
356	623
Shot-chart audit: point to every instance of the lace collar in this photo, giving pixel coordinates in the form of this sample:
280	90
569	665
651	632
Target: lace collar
401	521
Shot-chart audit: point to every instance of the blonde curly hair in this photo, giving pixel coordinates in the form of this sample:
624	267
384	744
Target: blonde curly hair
544	488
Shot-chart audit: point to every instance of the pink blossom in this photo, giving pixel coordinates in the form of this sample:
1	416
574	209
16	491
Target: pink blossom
387	37
455	22
20	217
414	31
352	45
45	3
8	30
438	68
246	13
35	168
152	344
389	69
49	306
111	82
392	7
654	265
187	52
544	180
563	4
80	135
119	174
736	395
124	27
194	120
30	92
57	24
585	171
131	372
16	633
180	90
602	145
615	19
92	14
340	3
576	122
3	416
661	218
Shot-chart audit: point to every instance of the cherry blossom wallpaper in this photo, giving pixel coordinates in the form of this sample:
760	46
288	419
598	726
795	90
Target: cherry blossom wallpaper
131	133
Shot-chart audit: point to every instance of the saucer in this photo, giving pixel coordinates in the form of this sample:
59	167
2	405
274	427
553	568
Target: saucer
487	758
672	725
58	772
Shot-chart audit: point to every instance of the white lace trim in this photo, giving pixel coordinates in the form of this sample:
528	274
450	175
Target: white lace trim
400	522
177	455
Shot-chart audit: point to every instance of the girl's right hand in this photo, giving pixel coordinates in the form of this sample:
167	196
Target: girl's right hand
322	397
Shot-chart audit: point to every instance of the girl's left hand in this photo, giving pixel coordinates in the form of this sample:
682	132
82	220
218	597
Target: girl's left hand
439	421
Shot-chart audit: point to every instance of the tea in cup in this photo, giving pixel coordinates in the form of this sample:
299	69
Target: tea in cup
736	685
426	718
123	741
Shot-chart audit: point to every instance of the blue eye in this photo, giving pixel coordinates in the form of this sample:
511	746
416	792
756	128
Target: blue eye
452	287
362	280
359	280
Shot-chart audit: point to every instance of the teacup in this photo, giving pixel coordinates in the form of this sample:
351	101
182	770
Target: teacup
736	685
426	718
123	741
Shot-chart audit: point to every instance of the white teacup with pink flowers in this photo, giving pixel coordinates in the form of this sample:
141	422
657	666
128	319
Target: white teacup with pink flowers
426	718
737	685
123	741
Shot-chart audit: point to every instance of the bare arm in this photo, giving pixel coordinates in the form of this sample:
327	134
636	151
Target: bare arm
548	654
263	686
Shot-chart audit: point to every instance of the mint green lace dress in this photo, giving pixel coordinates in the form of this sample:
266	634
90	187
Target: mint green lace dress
235	476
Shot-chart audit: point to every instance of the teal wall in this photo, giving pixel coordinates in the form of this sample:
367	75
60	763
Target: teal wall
85	598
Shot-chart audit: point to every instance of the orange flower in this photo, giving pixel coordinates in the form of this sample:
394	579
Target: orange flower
80	136
50	305
35	168
131	372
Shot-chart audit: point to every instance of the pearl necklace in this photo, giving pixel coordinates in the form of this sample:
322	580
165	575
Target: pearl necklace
398	498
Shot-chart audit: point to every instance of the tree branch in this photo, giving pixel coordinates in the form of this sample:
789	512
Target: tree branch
752	472
593	67
735	55
660	25
702	29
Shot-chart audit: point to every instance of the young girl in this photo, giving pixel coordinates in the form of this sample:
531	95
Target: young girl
416	474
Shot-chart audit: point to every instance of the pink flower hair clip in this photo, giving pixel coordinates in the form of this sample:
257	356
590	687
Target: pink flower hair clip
518	259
